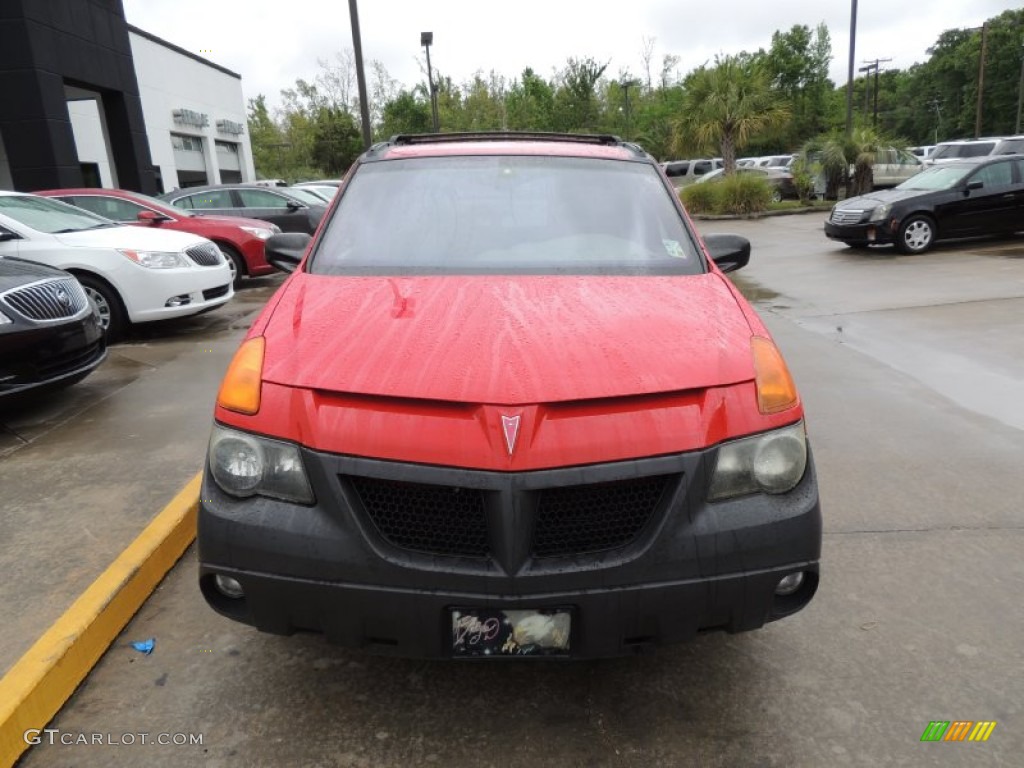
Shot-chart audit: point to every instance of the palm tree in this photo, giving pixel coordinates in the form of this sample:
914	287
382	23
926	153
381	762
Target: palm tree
725	106
846	161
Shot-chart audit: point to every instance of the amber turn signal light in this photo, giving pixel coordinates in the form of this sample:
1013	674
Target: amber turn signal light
240	390
775	388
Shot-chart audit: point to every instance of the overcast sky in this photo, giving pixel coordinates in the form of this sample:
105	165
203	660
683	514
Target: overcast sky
273	42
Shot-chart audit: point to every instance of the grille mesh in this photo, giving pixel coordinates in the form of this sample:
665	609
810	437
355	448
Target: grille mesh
846	216
597	517
51	300
439	519
205	255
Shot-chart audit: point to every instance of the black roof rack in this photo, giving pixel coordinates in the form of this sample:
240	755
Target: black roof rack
438	138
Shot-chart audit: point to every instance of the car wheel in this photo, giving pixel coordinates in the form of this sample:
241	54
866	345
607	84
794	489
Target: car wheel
776	196
235	263
107	302
917	233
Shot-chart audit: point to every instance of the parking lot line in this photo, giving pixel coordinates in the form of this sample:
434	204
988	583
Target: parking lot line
36	687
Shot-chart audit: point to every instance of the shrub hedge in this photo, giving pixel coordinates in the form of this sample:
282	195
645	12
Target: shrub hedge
737	194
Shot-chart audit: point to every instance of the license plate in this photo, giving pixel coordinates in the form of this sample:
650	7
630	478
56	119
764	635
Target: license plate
493	632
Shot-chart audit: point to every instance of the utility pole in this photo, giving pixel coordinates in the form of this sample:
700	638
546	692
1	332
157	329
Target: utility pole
981	79
1020	87
849	77
874	119
626	85
938	118
867	87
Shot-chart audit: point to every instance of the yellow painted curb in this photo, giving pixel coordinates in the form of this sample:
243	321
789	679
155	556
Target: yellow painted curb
36	687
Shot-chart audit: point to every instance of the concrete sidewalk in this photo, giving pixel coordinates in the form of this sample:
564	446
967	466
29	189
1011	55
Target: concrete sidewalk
83	471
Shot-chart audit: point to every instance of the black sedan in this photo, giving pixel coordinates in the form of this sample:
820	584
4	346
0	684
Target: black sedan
966	198
50	333
292	211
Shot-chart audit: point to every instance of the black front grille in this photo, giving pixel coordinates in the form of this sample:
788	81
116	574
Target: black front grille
69	361
593	518
439	519
50	300
206	255
215	293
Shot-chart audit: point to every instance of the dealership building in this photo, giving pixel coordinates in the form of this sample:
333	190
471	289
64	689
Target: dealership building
90	100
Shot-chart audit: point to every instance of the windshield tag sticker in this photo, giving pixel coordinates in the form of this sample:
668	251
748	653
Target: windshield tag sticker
674	249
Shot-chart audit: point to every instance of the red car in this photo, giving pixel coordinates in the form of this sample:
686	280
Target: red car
508	404
240	240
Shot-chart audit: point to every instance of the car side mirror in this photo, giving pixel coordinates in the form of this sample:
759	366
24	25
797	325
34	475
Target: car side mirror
293	206
285	251
152	217
729	252
973	185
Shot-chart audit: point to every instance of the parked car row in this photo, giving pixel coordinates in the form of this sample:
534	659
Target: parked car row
951	151
291	209
779	179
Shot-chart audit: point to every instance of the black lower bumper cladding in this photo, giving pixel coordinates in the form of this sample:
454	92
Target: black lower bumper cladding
632	551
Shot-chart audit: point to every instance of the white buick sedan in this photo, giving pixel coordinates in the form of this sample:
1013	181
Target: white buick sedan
132	274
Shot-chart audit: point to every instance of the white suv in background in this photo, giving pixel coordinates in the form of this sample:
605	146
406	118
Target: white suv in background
948	151
131	274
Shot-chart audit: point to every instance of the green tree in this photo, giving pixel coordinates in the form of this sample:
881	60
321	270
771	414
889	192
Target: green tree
724	106
530	103
576	105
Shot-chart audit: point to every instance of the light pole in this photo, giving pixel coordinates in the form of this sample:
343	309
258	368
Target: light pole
357	45
1020	87
426	40
849	77
625	88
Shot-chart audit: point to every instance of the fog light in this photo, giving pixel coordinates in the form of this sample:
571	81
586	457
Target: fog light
787	584
178	301
230	587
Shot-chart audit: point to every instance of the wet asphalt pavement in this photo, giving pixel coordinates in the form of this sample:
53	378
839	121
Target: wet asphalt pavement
912	372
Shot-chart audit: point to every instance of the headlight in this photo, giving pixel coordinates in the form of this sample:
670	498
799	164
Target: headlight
773	462
259	232
880	213
157	259
246	465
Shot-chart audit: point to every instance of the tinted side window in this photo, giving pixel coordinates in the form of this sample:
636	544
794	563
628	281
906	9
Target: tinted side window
214	199
701	167
110	207
996	175
260	198
677	169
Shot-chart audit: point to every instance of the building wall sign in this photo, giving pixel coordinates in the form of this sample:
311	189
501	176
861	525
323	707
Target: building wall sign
230	126
189	117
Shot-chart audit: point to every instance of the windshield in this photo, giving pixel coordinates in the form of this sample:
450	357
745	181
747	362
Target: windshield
937	177
949	151
491	214
305	196
50	216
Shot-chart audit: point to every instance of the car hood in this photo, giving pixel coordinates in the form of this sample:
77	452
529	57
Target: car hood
130	236
15	272
505	339
880	197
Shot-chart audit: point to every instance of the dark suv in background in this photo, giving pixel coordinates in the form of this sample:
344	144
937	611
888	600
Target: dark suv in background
290	212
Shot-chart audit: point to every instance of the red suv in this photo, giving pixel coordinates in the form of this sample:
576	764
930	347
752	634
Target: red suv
240	240
508	404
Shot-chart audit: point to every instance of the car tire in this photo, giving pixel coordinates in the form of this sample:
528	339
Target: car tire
108	302
916	235
235	262
776	196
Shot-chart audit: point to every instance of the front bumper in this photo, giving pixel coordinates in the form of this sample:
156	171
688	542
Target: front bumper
679	567
872	232
36	355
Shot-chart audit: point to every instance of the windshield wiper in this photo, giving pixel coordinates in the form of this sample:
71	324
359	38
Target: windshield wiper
84	229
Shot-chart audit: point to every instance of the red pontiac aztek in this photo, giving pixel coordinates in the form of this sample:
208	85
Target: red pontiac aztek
507	404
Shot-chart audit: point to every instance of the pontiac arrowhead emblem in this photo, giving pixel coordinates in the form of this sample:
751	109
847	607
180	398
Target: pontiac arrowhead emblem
510	426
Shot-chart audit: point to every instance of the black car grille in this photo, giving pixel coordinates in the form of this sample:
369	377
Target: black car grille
50	300
569	520
68	361
438	519
840	216
215	293
206	255
593	518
